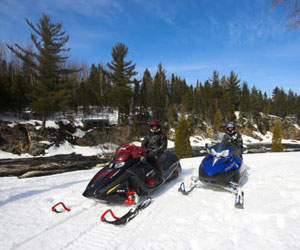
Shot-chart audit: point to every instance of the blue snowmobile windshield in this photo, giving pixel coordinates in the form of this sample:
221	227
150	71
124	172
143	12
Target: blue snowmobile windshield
220	147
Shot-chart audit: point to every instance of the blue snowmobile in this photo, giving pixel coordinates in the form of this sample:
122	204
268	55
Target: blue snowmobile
220	168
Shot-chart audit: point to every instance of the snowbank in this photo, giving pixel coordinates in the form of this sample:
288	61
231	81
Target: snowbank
6	155
67	148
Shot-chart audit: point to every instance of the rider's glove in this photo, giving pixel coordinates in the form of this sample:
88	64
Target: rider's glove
234	137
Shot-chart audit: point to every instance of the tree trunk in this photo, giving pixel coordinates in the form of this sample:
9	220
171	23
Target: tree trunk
43	124
119	120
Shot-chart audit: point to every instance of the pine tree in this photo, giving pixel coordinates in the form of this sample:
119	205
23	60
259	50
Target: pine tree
266	104
217	122
144	101
291	102
6	82
171	115
121	74
279	102
83	97
216	92
207	103
18	91
91	83
245	101
177	89
49	95
188	100
231	114
198	103
254	103
146	89
135	107
159	94
102	86
234	89
136	102
226	104
276	139
3	84
183	147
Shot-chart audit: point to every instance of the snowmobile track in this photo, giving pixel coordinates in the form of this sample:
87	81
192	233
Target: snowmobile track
100	234
58	226
96	236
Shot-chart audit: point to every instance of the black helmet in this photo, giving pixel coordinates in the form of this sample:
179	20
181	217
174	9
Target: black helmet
230	128
155	126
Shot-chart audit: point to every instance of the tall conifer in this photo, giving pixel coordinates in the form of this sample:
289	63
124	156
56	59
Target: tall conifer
217	122
49	95
183	147
276	139
159	94
121	74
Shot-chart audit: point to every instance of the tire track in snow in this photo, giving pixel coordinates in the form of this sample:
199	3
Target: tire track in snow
57	227
109	236
150	218
95	237
98	234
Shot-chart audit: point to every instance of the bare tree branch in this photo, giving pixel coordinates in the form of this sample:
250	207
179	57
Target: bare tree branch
294	11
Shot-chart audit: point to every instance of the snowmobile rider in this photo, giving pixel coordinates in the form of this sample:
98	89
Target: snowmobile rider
234	139
155	143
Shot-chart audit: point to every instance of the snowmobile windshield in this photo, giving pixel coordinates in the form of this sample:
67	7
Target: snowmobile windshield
220	147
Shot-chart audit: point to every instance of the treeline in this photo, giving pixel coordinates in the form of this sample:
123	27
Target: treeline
41	79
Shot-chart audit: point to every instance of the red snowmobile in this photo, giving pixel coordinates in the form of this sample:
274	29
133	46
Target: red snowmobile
127	176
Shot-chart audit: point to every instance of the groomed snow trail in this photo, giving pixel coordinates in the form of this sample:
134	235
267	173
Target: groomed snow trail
205	219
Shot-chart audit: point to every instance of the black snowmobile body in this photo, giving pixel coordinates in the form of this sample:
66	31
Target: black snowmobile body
126	174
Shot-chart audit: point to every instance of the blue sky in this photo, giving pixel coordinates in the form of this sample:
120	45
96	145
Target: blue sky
191	38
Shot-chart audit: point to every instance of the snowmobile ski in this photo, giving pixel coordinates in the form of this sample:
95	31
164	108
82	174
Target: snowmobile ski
239	200
194	183
233	188
60	211
239	196
132	213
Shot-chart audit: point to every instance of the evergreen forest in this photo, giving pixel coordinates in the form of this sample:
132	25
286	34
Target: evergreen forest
41	78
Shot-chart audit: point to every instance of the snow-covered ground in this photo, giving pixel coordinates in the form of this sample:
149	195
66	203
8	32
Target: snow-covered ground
205	219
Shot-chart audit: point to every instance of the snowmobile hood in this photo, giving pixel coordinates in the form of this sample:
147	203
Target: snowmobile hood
100	180
220	160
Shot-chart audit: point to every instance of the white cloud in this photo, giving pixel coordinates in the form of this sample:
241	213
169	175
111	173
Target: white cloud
16	10
90	8
165	10
248	29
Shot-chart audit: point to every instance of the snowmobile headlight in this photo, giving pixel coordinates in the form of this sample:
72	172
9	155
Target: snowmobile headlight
119	164
213	152
224	153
